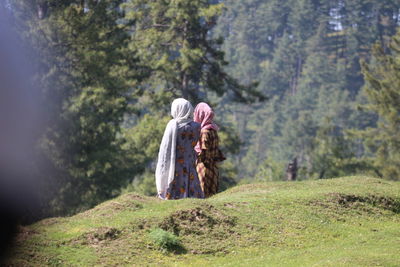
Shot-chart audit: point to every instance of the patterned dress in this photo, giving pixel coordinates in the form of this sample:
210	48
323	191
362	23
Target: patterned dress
207	168
186	182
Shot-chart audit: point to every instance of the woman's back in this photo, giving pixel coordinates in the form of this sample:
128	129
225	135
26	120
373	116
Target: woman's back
188	136
176	175
186	182
208	150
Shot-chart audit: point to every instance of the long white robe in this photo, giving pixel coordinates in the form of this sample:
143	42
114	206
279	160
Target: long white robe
181	111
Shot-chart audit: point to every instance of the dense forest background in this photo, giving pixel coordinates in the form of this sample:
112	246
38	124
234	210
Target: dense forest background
315	80
306	56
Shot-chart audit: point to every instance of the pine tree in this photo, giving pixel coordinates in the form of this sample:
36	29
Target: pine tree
382	90
86	74
333	153
173	39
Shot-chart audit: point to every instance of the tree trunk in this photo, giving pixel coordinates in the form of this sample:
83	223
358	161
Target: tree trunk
296	76
185	77
185	89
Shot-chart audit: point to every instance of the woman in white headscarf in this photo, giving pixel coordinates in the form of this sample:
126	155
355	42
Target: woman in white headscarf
176	175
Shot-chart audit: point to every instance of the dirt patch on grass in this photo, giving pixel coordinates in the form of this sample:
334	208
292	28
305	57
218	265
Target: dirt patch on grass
204	229
143	224
199	221
367	203
386	203
98	236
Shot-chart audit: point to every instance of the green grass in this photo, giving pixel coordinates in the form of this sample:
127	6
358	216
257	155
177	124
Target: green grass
165	240
352	221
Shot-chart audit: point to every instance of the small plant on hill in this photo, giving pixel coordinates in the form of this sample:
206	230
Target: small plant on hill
166	241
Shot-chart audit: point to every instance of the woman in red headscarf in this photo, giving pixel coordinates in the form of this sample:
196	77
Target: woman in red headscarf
207	150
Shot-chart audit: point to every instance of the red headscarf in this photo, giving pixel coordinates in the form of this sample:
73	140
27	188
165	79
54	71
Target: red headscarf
204	115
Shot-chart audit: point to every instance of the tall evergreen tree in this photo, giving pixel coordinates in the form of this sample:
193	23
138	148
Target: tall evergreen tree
173	39
382	90
85	73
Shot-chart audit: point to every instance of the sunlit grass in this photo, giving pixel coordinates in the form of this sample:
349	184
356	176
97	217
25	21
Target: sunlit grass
351	221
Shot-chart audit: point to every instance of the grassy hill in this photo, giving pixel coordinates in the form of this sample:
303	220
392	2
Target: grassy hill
352	221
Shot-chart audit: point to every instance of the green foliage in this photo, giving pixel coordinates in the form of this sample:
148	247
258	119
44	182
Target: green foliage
144	184
165	240
173	39
382	76
142	141
270	171
305	55
85	72
333	154
227	175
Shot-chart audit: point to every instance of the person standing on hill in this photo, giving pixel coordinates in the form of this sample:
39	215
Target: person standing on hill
176	175
207	150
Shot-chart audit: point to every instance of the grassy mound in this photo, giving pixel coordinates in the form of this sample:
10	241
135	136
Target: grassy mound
352	221
199	221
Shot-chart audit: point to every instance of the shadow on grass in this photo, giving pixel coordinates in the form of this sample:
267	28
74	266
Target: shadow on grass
177	250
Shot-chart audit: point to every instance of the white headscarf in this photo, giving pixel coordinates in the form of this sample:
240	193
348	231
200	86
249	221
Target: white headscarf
181	111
